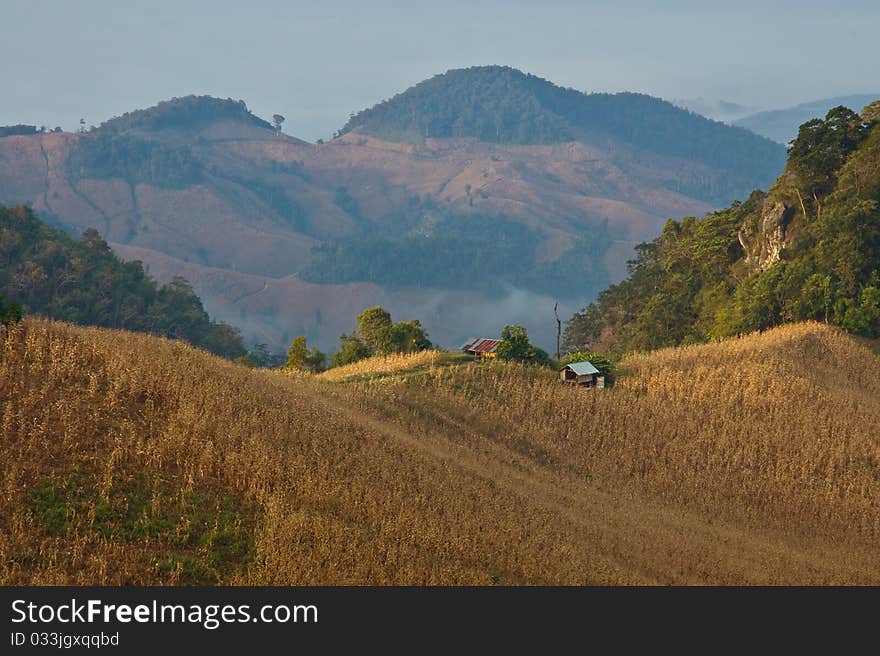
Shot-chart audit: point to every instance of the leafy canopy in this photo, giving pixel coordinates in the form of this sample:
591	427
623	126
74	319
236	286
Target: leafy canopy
698	280
302	358
82	281
10	312
503	105
515	345
378	335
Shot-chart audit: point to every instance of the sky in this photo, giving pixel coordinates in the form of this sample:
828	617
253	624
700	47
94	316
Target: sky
317	62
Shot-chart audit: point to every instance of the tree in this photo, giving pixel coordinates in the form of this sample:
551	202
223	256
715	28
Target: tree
277	120
300	357
374	328
10	312
351	349
515	345
871	112
82	281
816	297
260	356
601	363
822	147
409	336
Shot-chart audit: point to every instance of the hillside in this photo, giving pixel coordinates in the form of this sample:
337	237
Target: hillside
809	248
781	125
278	235
82	281
131	459
498	104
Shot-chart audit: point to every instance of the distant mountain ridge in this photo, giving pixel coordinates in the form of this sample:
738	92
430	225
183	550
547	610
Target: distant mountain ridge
717	110
500	104
781	125
282	237
185	113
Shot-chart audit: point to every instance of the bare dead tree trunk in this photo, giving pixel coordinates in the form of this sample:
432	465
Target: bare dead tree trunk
558	327
801	199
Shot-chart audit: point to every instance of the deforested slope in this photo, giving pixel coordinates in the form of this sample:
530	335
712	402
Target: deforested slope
132	459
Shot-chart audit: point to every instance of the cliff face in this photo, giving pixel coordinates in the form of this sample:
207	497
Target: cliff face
763	237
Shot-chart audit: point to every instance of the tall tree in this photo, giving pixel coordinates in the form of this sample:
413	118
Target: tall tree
515	345
277	120
374	327
303	358
10	312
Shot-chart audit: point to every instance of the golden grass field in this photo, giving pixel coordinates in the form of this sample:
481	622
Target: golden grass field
131	459
385	365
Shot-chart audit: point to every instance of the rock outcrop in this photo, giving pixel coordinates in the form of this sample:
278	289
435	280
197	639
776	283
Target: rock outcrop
764	239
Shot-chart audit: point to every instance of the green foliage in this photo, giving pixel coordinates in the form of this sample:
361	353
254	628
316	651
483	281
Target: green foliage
871	112
10	312
374	327
186	113
20	129
694	282
300	357
120	149
463	252
351	349
205	535
83	282
260	356
599	361
515	345
346	202
822	147
503	105
273	194
409	337
106	155
377	335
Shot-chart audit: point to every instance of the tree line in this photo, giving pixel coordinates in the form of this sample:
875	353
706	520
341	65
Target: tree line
82	281
698	281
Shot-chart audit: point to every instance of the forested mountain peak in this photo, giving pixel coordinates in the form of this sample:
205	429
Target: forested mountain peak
188	113
809	248
504	105
276	233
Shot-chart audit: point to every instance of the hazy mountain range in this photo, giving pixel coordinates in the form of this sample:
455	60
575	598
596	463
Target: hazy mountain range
717	110
782	124
474	199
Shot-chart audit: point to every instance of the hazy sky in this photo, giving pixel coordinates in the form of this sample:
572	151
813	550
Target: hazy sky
315	62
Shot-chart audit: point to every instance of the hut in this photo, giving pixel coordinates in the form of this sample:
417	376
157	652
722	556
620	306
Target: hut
582	374
481	347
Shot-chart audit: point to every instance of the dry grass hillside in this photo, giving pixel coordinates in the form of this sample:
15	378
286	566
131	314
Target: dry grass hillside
400	364
129	459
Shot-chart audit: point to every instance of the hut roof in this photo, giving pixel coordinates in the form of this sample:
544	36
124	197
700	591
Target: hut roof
583	368
481	345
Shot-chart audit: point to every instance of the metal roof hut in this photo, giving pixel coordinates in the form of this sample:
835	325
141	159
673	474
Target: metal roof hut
481	347
582	374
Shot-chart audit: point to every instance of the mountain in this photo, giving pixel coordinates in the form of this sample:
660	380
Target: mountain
467	231
718	110
782	124
809	248
82	281
140	461
498	104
